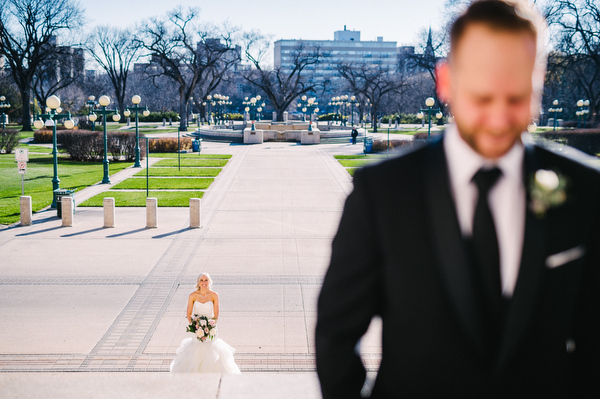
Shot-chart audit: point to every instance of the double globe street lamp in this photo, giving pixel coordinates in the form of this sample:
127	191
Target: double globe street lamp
582	112
430	102
53	113
307	105
4	105
136	108
103	102
556	110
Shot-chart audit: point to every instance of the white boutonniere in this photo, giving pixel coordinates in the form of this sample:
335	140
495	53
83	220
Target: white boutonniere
547	191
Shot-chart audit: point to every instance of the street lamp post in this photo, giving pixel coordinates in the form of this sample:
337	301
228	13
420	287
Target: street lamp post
53	113
307	105
209	103
4	105
91	104
104	101
582	113
136	108
429	102
353	101
556	110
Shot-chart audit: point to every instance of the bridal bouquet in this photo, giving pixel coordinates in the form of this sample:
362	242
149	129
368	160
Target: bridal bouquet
203	327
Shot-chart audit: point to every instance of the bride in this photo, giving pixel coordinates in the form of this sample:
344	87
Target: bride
209	356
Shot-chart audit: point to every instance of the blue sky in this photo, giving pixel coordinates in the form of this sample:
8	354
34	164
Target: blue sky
399	20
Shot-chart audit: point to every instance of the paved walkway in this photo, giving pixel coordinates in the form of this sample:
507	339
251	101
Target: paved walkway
86	298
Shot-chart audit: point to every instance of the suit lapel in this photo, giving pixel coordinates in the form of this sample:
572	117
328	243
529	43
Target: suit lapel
526	293
449	244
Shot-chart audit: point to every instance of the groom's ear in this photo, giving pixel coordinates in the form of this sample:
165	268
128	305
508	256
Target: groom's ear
442	73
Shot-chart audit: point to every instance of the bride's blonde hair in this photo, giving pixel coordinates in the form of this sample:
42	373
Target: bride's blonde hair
210	282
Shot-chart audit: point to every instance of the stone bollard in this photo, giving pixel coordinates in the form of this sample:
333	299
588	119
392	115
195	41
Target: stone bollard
67	211
151	213
194	213
26	210
109	211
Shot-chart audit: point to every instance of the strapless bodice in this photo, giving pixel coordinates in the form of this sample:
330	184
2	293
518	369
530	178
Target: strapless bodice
203	309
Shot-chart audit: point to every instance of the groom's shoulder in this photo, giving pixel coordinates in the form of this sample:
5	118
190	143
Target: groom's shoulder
568	160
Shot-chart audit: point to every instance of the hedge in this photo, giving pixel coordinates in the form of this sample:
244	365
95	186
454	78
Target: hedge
169	144
82	145
9	139
158	117
586	140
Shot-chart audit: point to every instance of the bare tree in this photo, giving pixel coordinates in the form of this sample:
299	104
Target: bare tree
26	30
282	84
187	53
578	22
373	83
115	51
63	67
435	48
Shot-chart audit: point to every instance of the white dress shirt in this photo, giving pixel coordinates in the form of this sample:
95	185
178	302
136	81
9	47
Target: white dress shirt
506	199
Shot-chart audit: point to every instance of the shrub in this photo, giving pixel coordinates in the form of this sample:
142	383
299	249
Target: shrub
405	118
332	117
423	135
89	146
42	136
9	139
382	145
159	116
82	145
235	117
586	140
85	124
169	144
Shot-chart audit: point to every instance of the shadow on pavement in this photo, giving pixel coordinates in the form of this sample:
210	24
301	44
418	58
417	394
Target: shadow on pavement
83	232
126	233
39	231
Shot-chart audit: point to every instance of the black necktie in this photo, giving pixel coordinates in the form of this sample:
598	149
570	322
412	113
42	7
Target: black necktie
486	252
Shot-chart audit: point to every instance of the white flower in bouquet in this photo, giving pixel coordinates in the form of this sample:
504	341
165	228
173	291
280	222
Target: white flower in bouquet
212	323
547	191
547	179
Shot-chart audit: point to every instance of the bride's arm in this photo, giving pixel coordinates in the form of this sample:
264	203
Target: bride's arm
190	306
216	305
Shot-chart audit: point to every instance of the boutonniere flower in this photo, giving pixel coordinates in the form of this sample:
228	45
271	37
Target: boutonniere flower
547	191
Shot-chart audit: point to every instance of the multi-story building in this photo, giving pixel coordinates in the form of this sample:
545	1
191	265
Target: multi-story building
346	47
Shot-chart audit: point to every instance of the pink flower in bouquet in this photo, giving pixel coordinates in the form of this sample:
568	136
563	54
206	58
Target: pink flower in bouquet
212	323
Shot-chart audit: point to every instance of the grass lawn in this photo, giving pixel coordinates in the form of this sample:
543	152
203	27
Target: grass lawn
351	171
353	162
40	149
193	172
218	163
138	198
165	183
368	156
38	181
189	155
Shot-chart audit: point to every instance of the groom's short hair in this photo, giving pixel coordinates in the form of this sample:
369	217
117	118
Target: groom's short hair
501	15
511	16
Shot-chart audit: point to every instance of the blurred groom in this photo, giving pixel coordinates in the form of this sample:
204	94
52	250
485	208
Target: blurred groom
479	252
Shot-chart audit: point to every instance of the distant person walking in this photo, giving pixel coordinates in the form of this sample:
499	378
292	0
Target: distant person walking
354	135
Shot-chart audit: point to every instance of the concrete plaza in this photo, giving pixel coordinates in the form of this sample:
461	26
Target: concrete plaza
111	301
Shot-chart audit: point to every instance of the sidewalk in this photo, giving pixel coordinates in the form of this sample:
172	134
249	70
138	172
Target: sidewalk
86	298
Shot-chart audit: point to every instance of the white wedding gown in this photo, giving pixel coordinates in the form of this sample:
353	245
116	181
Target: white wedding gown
214	356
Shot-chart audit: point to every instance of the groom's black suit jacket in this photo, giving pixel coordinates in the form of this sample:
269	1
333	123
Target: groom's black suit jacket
399	254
